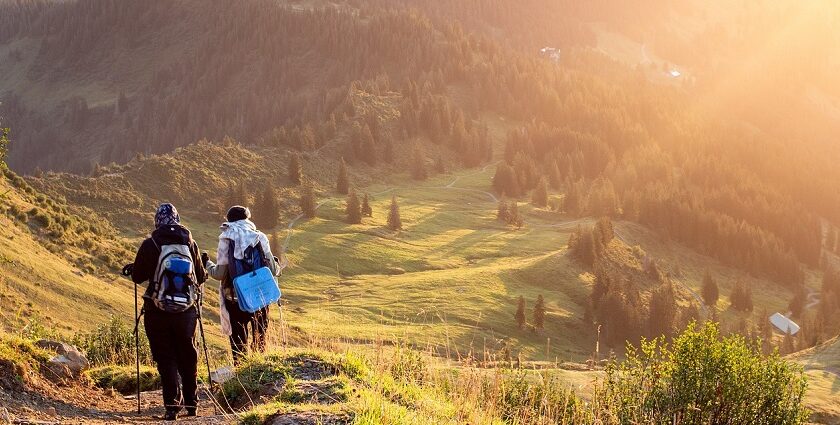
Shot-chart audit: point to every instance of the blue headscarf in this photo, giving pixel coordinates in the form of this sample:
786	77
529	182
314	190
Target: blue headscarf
166	215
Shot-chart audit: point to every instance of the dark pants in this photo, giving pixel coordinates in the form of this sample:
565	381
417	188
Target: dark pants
172	340
239	323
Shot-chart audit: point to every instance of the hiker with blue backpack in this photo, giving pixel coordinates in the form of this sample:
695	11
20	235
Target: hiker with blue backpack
247	269
168	259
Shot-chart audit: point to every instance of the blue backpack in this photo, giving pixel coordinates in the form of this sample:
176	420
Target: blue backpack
253	283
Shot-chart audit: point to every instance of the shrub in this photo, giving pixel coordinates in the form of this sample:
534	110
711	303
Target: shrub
41	217
124	378
703	378
113	343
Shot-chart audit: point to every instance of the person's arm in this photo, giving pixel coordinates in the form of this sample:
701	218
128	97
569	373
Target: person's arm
218	270
144	262
200	271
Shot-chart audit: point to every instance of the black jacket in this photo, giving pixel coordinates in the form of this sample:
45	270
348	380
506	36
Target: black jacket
146	260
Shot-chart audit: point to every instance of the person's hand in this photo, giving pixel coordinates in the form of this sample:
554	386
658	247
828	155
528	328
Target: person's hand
204	259
128	269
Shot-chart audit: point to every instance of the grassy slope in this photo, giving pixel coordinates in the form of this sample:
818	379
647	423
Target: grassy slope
822	365
447	283
37	282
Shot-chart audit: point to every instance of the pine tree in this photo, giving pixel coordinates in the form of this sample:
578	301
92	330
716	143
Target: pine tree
268	210
540	195
554	178
797	303
513	212
418	165
353	210
368	147
394	221
503	213
366	210
605	230
787	344
539	313
440	167
295	170
741	297
662	311
237	195
307	201
520	313
342	184
710	292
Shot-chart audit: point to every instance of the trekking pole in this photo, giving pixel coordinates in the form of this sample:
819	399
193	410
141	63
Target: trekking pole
126	271
137	347
206	355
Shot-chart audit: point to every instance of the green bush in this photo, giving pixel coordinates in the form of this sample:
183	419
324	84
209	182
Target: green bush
112	343
124	378
702	378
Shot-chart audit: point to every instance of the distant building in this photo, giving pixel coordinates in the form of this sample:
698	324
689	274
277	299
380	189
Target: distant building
552	53
674	73
783	324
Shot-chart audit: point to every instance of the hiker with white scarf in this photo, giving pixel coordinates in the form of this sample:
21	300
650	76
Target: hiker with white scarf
235	323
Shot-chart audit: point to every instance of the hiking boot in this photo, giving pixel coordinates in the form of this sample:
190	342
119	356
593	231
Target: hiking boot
191	411
170	415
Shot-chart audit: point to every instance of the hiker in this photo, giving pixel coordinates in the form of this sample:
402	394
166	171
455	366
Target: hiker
169	260
239	234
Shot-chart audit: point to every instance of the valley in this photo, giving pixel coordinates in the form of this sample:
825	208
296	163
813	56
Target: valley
570	182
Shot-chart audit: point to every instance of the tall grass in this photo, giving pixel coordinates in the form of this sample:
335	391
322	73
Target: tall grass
112	343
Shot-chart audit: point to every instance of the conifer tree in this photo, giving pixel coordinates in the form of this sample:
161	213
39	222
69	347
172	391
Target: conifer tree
741	297
502	212
710	291
514	217
787	344
295	171
394	220
368	147
797	303
366	209
237	195
540	195
662	311
554	178
388	151
342	184
307	201
539	313
605	229
573	200
440	167
353	210
418	165
268	210
520	313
